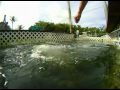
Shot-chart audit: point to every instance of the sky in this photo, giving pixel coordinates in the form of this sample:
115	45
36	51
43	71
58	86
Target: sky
29	12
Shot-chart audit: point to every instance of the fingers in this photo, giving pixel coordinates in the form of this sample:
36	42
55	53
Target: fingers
76	19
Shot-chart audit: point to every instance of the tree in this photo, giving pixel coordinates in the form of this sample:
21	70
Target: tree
63	27
4	26
20	27
12	19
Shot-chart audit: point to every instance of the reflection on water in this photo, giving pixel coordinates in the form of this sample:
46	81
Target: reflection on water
61	66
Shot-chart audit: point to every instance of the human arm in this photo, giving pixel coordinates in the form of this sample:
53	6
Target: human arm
80	10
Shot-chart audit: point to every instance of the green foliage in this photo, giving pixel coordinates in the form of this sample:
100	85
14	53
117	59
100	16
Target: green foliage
65	28
13	19
20	27
4	26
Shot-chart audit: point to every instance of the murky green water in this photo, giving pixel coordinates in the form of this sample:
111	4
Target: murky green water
65	66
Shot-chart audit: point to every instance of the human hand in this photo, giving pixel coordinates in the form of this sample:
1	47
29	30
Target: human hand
77	17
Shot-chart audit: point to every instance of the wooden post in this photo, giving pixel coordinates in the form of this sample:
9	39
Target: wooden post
69	12
106	12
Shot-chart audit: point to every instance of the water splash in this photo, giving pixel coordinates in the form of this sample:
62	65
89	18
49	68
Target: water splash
65	66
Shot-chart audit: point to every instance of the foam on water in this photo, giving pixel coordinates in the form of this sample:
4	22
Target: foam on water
26	66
